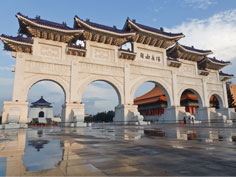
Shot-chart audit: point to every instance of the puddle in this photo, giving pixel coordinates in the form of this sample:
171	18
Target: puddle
42	154
154	132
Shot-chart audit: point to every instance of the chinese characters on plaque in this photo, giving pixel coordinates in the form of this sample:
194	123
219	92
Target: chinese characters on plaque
150	57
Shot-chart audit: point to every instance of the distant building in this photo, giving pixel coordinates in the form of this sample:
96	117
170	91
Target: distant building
152	104
41	111
232	89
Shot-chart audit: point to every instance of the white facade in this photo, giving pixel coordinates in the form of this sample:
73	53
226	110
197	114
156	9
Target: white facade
34	113
49	60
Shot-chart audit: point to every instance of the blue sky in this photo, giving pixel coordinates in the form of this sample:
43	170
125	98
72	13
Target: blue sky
207	24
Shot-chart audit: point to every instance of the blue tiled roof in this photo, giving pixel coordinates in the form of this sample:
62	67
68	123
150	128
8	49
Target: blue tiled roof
41	101
19	38
104	27
225	74
151	29
40	21
218	61
214	60
195	50
155	30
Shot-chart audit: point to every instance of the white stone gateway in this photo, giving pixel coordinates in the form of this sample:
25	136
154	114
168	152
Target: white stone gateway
88	52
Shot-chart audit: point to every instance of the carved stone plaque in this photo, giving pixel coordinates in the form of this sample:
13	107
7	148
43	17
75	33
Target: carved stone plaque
102	54
49	51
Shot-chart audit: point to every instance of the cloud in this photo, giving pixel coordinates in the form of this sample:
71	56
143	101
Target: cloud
217	33
154	19
99	97
5	68
199	4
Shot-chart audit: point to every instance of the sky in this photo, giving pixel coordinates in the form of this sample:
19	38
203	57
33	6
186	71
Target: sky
207	24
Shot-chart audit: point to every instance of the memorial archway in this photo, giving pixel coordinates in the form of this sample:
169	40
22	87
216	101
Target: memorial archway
75	56
191	100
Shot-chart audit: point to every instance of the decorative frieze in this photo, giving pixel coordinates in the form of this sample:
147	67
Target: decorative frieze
102	54
46	68
49	51
101	69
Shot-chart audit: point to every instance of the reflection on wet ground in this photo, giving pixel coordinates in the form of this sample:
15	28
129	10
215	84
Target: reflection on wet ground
107	150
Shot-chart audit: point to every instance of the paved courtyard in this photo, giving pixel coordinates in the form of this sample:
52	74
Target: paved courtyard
107	150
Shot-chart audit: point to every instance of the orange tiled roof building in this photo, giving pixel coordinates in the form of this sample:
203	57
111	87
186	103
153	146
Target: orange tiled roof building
153	102
232	89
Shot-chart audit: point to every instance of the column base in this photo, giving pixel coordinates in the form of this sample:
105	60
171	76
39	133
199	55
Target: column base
211	115
128	115
73	115
229	113
15	112
173	114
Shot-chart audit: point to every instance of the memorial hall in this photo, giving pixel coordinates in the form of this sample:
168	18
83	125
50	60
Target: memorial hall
186	79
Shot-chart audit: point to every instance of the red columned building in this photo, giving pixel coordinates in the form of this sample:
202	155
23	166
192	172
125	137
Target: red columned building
154	102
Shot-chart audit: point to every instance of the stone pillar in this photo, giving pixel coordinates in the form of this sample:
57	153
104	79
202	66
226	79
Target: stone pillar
74	81
225	95
73	115
176	100
174	114
18	87
126	85
124	114
205	101
15	114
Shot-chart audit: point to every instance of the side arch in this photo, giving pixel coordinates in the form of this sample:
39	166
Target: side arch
161	83
196	91
111	81
31	82
218	97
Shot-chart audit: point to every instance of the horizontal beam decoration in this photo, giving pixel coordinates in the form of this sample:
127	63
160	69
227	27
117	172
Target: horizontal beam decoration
47	30
17	44
203	72
173	62
76	50
125	54
187	53
212	63
151	36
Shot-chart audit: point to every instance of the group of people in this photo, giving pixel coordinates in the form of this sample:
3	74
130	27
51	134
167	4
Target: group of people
189	119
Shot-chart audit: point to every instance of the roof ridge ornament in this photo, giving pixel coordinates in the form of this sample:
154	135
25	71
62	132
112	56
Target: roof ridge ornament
37	17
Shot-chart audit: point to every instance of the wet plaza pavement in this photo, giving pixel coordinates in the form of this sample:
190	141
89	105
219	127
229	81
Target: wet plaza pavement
108	150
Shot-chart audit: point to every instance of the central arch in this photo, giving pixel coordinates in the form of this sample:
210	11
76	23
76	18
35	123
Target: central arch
158	82
111	81
196	91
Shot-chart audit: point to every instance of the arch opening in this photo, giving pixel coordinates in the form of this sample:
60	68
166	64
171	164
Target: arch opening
191	100
215	101
45	98
152	99
100	98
